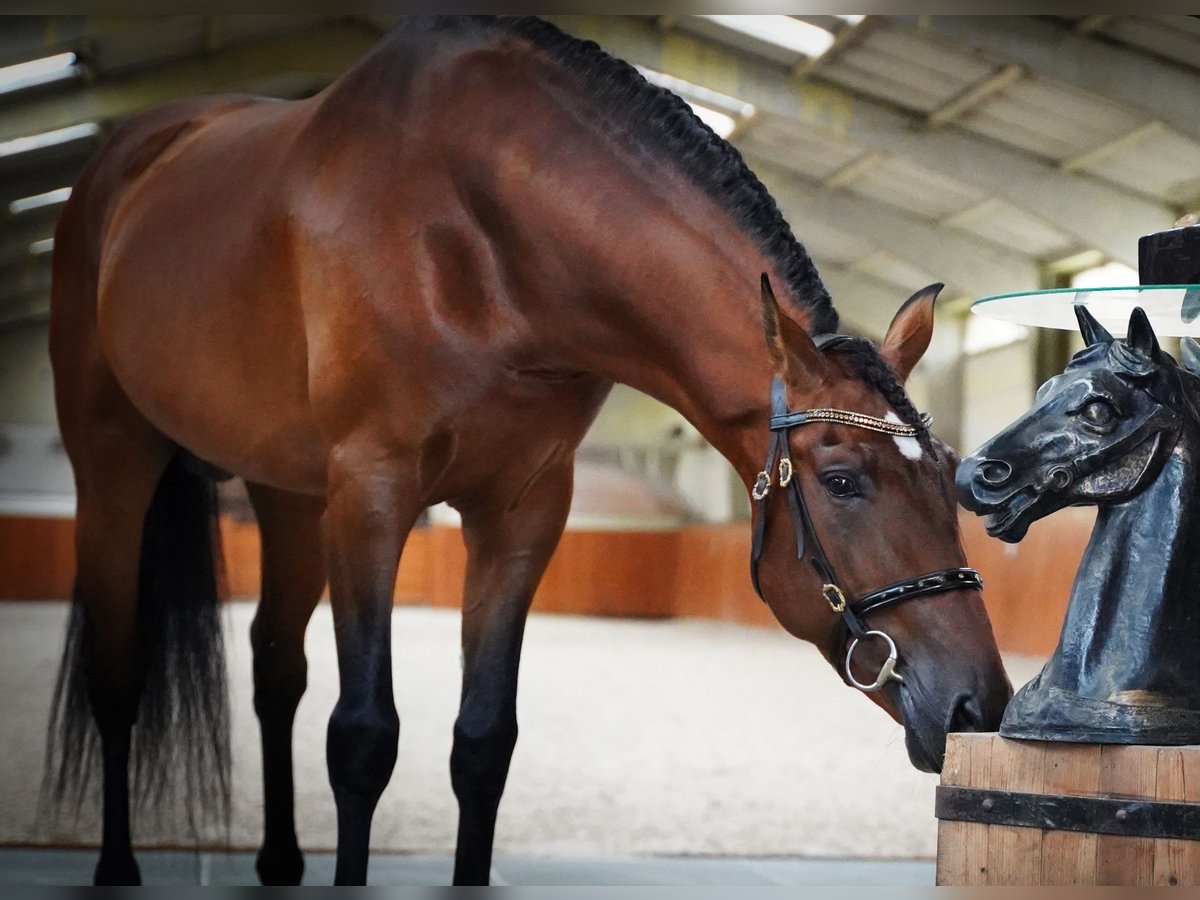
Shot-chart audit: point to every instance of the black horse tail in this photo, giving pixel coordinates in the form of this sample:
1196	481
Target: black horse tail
179	758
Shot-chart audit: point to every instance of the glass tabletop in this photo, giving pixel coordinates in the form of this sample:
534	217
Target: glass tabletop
1174	309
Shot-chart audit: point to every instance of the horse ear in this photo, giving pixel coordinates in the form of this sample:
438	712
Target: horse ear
791	347
1141	334
908	336
1093	332
1189	355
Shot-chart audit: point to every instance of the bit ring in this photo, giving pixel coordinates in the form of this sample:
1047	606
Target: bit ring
887	672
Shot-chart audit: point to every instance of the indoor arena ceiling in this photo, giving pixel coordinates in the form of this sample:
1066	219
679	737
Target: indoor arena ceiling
988	152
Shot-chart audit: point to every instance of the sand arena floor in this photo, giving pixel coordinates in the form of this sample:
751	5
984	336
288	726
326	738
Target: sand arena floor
637	738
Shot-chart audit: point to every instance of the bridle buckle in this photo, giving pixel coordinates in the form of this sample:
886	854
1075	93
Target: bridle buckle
762	485
834	597
785	472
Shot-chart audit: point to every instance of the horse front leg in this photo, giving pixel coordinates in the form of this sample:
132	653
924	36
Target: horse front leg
509	545
371	507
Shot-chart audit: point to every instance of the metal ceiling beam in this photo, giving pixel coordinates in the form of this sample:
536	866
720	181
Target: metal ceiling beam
37	181
19	283
17	234
1093	213
969	264
973	96
1147	84
323	51
24	312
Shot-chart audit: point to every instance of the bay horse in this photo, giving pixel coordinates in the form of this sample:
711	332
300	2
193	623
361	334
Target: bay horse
1118	429
418	286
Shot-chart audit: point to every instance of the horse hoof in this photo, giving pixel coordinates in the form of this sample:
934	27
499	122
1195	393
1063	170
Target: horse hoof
117	871
280	866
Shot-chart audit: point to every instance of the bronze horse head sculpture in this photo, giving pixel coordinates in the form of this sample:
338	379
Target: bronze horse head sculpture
1118	429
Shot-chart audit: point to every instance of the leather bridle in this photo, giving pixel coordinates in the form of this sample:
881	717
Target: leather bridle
852	612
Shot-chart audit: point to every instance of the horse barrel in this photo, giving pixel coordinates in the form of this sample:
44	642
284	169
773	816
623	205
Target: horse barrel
1056	813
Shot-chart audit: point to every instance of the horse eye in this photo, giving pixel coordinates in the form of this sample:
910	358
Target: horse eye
840	486
1099	412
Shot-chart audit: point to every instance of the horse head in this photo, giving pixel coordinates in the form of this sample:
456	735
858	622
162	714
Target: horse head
1098	432
869	506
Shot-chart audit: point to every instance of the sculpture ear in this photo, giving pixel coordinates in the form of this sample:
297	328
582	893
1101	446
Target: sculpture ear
792	350
908	336
1141	334
1093	332
1189	355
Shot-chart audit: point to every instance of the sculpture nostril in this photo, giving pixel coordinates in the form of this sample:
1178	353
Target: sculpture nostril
993	472
1059	478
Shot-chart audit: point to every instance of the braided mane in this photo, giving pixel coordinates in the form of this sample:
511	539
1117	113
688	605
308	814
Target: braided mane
659	121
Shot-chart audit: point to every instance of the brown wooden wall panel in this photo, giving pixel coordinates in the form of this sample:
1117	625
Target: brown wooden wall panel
37	558
714	576
243	561
598	573
1026	585
699	571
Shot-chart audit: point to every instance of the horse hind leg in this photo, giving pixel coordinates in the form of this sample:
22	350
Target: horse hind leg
509	546
145	644
293	577
101	679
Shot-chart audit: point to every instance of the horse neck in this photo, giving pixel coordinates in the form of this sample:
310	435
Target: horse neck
1143	554
671	306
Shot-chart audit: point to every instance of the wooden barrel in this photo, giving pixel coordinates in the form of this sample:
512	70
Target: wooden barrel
1053	813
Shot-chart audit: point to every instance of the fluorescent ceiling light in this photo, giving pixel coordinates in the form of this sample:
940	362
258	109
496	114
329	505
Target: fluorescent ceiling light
37	71
39	247
718	111
722	124
48	138
37	201
782	31
853	20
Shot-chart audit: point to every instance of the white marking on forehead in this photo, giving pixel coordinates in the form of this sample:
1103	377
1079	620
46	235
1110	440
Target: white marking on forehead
909	446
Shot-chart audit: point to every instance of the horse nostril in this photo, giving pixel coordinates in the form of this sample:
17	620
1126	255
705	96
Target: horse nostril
994	472
967	715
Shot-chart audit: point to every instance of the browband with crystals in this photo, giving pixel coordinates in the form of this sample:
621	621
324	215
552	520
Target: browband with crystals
845	417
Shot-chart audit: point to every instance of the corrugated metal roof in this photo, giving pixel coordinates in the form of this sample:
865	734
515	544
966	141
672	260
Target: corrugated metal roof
1003	223
886	267
910	186
1160	163
1050	119
1172	37
813	153
828	246
913	70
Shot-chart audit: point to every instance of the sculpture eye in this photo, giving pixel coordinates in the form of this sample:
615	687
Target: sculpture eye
1099	413
840	486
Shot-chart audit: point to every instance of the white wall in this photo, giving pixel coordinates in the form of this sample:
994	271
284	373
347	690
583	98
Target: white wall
35	478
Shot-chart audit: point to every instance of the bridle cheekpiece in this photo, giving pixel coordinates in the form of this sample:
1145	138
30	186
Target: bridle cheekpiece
852	613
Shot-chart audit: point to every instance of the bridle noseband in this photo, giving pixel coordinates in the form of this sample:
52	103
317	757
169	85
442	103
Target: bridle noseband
851	612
